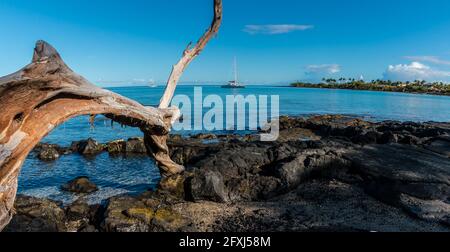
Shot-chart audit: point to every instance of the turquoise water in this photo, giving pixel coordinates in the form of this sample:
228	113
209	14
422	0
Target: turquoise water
375	106
135	174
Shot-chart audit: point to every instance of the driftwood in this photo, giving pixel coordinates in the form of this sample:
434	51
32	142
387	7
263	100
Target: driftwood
46	93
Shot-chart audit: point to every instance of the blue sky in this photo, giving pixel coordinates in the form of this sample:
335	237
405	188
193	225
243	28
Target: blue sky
115	42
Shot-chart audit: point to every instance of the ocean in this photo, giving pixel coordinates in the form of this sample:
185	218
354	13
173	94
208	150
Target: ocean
118	175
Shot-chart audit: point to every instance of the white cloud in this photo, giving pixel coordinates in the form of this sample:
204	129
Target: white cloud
272	29
430	59
315	73
323	69
414	71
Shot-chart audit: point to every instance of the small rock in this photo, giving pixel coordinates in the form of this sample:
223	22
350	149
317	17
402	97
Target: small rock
136	145
48	154
80	185
89	147
117	146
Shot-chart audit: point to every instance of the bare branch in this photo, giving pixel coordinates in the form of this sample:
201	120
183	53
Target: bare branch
189	55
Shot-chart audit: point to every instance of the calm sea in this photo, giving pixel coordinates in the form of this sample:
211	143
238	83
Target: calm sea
135	174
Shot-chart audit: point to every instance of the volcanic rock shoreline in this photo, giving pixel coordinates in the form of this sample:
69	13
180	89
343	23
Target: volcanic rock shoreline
325	173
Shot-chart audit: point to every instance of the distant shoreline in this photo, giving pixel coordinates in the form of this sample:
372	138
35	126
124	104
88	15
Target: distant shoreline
407	88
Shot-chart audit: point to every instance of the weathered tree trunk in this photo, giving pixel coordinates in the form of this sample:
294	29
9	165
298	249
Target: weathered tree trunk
47	93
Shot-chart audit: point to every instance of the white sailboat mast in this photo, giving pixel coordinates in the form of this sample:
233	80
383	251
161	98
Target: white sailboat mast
235	71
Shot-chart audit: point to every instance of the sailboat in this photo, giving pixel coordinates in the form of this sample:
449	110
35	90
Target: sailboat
234	83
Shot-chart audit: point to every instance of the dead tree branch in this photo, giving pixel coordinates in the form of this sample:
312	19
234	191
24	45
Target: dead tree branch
189	55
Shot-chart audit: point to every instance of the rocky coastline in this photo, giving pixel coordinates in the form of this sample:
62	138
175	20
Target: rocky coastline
325	173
